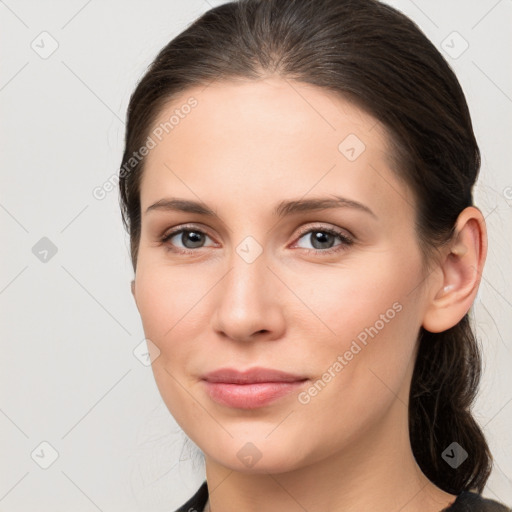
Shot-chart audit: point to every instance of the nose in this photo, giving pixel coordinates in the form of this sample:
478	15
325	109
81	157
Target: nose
249	301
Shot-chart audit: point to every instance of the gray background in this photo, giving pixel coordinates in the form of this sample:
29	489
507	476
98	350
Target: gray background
69	375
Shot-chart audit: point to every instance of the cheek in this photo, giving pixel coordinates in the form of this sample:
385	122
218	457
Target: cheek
166	298
169	303
344	302
362	368
366	322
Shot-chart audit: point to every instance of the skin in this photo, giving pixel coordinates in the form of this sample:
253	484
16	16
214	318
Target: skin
244	148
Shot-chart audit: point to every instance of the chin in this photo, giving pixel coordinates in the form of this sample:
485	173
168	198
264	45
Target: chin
253	454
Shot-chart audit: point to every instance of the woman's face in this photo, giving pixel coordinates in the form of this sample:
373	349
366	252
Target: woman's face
333	294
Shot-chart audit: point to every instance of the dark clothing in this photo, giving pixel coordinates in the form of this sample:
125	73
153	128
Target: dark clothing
469	501
466	502
197	502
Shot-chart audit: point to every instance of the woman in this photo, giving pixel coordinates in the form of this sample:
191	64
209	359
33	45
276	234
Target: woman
297	186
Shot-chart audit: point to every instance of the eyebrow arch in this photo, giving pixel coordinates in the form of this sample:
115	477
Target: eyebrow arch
284	208
321	203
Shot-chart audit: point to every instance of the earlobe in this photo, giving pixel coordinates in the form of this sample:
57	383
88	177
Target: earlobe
461	266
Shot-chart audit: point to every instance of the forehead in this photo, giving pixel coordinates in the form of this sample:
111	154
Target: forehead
261	109
253	135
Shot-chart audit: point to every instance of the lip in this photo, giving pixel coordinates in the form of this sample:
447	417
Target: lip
251	376
252	388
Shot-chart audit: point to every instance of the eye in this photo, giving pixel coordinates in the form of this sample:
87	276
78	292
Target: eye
322	239
191	238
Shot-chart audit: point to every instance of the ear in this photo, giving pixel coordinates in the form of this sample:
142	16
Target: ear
462	264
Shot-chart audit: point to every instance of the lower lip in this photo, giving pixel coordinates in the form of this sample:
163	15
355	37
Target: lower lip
250	396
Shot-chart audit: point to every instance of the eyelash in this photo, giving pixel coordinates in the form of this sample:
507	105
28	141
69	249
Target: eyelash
346	241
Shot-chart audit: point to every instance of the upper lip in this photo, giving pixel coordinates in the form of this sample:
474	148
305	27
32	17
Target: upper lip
252	375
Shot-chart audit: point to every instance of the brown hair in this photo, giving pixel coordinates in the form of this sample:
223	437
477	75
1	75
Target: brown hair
370	52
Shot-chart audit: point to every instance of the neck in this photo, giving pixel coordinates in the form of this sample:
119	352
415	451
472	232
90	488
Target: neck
376	472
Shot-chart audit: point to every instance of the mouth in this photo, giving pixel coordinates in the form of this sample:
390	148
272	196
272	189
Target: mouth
250	389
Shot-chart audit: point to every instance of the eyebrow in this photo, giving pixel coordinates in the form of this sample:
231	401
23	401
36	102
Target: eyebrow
283	208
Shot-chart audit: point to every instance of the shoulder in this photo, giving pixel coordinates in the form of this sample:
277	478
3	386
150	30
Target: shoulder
469	501
197	502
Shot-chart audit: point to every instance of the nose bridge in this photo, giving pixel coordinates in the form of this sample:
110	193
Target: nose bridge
247	278
245	302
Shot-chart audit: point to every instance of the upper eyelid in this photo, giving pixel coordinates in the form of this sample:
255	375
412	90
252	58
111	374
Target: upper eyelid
185	227
318	227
